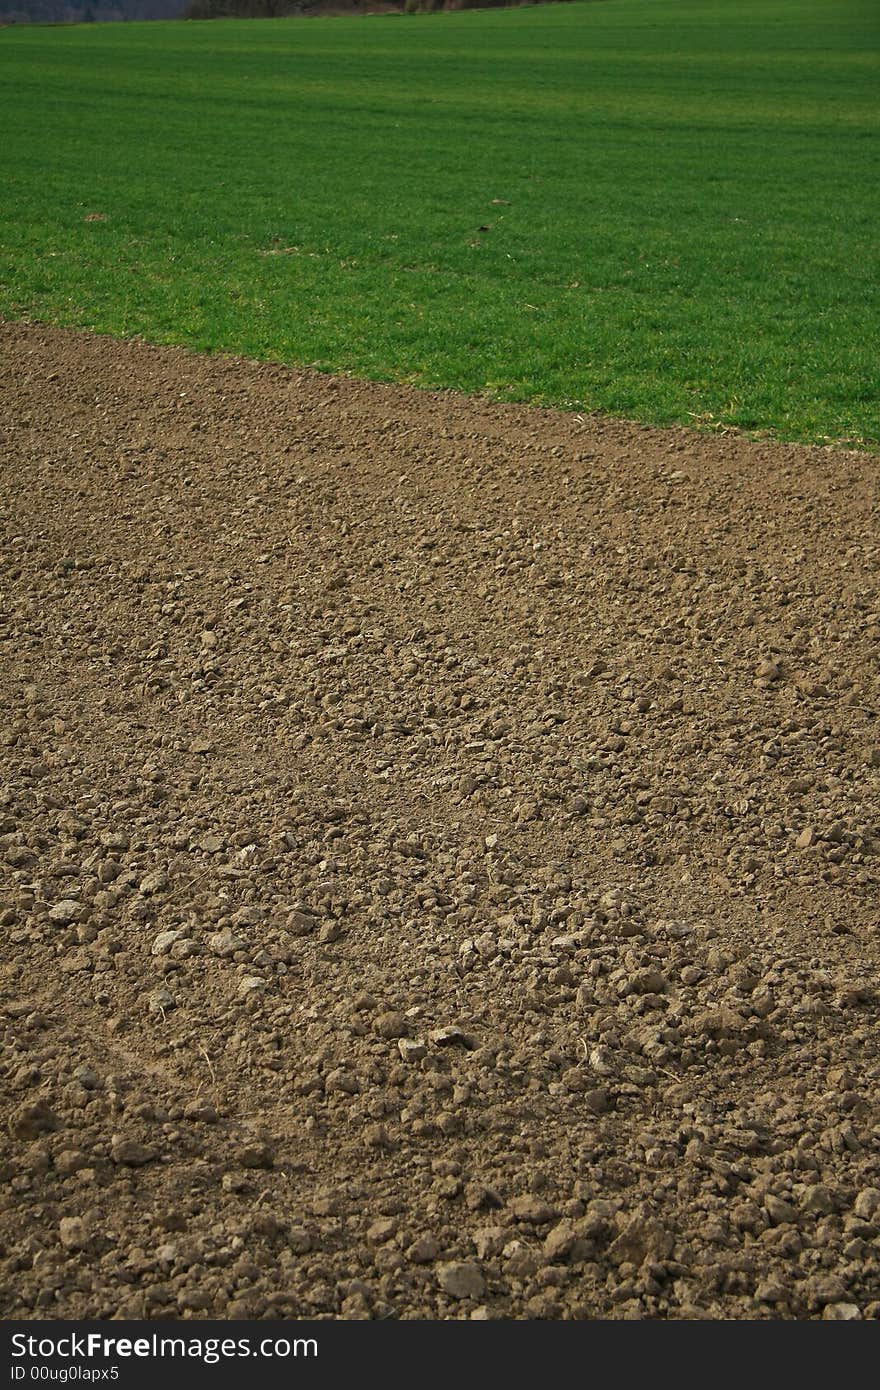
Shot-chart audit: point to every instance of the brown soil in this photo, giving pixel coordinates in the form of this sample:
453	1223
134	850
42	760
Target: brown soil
439	854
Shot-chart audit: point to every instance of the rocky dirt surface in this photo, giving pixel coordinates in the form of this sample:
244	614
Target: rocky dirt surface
438	854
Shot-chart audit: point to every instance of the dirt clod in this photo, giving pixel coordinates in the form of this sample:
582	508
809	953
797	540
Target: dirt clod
461	1280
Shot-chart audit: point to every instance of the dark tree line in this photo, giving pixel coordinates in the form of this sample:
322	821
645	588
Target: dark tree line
277	9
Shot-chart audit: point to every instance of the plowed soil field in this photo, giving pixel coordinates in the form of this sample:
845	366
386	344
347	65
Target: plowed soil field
438	854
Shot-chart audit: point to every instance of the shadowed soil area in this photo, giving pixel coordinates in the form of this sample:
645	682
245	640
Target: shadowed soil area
438	854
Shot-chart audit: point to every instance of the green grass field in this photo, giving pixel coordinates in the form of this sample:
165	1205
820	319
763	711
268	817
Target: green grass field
662	209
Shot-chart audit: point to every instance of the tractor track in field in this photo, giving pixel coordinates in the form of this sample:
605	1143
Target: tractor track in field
438	854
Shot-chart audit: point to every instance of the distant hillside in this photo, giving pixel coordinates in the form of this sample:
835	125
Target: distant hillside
104	11
87	11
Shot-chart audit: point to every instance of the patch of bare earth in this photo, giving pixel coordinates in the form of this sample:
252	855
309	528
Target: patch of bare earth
438	854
